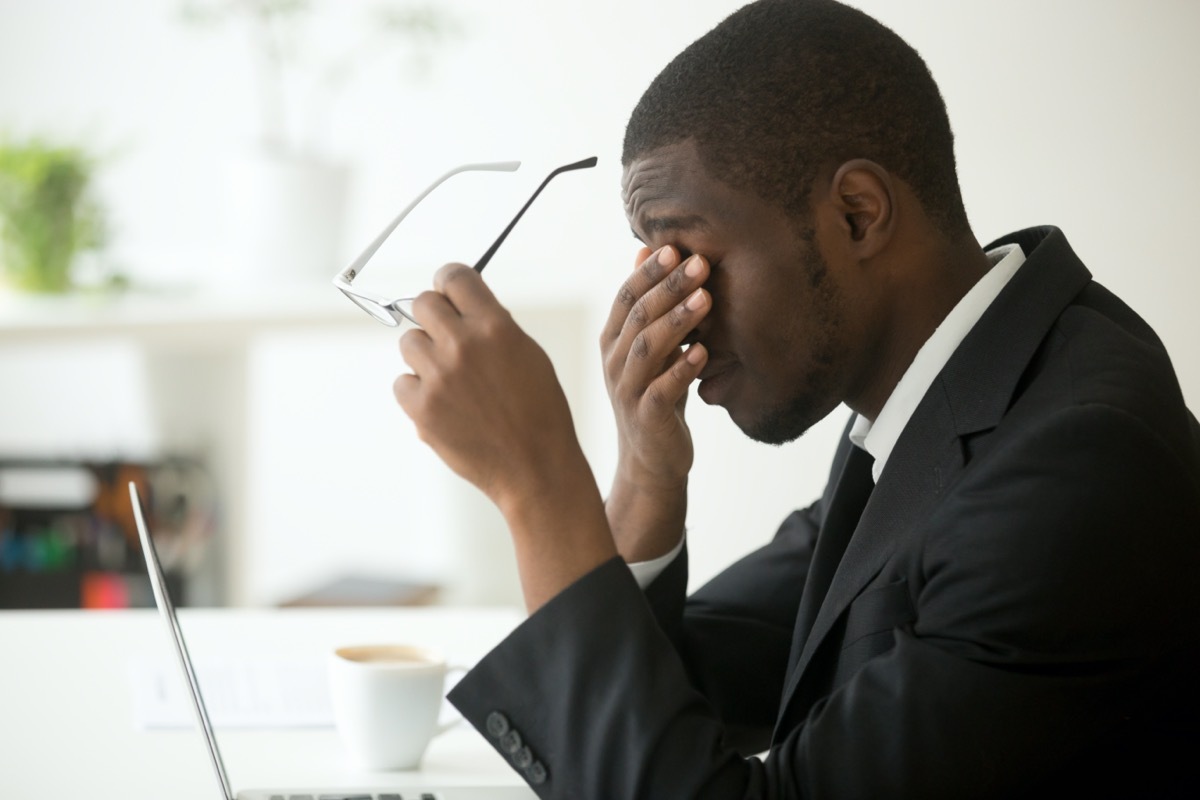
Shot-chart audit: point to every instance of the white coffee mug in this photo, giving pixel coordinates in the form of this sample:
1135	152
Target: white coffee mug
386	700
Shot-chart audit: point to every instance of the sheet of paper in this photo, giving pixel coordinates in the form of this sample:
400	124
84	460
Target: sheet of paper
238	693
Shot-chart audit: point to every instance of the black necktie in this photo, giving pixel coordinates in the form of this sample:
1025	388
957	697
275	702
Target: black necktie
845	508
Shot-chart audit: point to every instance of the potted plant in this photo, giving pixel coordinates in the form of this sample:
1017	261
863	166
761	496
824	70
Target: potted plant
48	215
285	200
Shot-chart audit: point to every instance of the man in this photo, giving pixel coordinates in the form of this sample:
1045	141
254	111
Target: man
996	596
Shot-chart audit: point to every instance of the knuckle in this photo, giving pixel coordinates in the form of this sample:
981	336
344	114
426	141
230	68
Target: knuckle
675	282
626	296
641	345
638	315
498	325
411	343
628	398
655	397
652	269
433	385
426	297
492	328
612	365
454	279
453	272
678	317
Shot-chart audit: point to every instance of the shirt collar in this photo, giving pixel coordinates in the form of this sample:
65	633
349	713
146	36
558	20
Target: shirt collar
879	438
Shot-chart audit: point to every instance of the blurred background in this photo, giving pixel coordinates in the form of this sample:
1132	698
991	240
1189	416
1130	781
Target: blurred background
192	174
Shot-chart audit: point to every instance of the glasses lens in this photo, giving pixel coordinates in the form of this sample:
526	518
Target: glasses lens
404	307
374	309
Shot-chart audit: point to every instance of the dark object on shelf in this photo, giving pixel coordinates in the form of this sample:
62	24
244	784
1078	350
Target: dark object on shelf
67	537
357	590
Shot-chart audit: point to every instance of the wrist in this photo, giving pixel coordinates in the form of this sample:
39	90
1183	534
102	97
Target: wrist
557	481
559	533
661	480
646	521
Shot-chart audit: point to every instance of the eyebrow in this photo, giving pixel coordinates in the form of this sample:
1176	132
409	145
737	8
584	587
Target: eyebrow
686	222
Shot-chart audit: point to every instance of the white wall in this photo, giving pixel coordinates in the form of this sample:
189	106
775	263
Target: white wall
1081	113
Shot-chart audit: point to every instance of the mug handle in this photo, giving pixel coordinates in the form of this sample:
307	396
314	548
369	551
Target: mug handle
449	724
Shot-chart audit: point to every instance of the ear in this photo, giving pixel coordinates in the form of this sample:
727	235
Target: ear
864	197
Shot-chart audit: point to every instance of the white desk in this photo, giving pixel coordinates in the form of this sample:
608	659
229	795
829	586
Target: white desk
66	712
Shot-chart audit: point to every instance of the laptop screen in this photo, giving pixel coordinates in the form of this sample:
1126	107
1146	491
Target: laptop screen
167	609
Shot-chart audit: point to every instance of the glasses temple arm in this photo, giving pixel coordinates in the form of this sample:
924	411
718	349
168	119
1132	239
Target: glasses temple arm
356	267
491	251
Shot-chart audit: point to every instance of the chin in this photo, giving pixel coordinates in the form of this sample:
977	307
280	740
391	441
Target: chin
768	433
782	424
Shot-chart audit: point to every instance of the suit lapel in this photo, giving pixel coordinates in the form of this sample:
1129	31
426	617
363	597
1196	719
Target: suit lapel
925	460
970	395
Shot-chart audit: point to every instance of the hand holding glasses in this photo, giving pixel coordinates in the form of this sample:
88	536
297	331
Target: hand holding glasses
399	311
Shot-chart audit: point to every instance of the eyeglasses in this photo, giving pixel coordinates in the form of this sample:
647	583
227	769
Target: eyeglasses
399	311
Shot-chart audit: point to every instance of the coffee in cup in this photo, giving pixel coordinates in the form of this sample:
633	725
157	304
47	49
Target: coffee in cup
386	700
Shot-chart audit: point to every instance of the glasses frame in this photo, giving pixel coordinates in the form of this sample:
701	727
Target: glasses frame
398	311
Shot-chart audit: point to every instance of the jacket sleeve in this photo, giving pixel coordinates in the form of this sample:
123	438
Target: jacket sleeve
750	607
1059	585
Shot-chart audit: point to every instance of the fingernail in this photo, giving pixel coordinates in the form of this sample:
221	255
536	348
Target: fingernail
666	256
696	301
693	267
694	354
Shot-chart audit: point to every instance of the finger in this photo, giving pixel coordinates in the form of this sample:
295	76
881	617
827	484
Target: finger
661	298
416	348
670	388
650	271
465	289
652	346
406	389
434	312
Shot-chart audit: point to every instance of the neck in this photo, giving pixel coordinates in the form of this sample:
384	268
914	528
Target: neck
926	287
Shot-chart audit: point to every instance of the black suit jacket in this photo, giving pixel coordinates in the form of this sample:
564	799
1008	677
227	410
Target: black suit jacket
1015	612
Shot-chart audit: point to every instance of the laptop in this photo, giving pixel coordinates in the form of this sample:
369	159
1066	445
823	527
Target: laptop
405	791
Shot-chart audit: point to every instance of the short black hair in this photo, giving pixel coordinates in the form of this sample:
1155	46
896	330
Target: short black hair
783	88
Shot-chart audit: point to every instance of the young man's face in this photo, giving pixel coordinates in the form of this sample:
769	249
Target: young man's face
778	334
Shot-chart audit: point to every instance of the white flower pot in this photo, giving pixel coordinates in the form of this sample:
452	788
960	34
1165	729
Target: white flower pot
283	220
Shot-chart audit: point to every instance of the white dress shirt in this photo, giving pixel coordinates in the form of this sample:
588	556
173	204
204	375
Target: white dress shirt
880	437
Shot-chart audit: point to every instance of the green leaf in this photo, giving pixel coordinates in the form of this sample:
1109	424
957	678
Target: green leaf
47	215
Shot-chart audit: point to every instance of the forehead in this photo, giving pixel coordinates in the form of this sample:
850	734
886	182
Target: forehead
669	190
670	187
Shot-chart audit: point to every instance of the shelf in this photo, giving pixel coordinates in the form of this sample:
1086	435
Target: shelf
186	315
235	380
